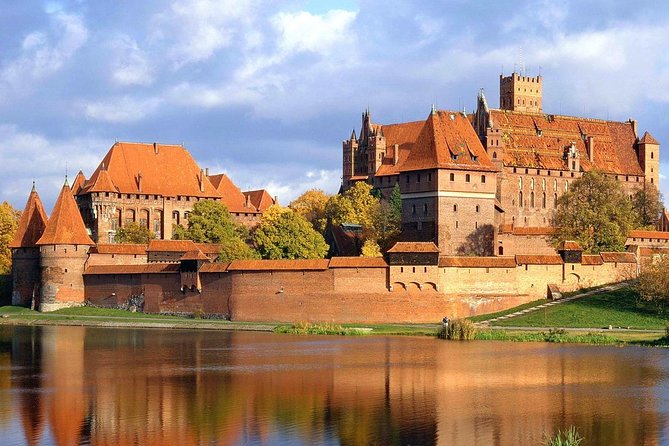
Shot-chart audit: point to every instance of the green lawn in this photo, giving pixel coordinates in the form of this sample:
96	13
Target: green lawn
487	317
619	308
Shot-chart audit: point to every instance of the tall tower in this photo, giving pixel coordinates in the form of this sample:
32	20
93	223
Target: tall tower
64	249
520	93
26	275
649	158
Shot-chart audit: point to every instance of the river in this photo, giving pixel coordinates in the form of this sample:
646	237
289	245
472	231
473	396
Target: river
77	385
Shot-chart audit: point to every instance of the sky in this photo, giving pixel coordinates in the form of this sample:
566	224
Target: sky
266	91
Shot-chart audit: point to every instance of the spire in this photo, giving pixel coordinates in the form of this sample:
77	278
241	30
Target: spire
32	223
353	138
65	226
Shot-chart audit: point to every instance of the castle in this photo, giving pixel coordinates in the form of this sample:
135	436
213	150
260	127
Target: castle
477	195
479	184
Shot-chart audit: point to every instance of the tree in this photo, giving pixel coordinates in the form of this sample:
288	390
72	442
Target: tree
371	249
134	233
381	220
594	212
647	205
210	222
284	234
653	283
9	222
311	206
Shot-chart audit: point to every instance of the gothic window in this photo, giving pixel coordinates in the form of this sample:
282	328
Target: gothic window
144	218
554	200
520	182
543	184
520	198
532	199
413	209
452	177
532	183
554	184
175	217
425	208
494	155
129	216
477	208
543	200
483	179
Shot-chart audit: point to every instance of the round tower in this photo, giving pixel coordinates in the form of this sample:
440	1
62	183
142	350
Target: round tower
64	249
26	274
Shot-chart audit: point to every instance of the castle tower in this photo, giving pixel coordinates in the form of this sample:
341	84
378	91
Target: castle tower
350	151
649	158
64	249
520	93
26	275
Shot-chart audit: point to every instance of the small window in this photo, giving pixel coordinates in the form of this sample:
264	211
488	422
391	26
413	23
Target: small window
417	178
652	155
455	208
413	208
477	208
429	177
452	177
408	179
467	178
425	209
456	224
483	179
494	155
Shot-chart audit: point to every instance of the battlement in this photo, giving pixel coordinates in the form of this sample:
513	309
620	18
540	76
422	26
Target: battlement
520	93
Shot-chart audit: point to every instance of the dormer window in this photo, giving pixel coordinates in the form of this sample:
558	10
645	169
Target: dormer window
475	158
454	157
539	132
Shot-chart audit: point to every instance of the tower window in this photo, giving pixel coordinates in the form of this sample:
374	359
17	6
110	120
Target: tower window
425	209
455	208
483	179
417	178
651	155
477	208
452	177
413	209
467	178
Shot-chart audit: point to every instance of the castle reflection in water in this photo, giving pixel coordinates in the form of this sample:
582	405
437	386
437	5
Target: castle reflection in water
75	385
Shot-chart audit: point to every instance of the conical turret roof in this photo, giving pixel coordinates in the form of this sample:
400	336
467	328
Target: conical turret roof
65	226
648	139
32	223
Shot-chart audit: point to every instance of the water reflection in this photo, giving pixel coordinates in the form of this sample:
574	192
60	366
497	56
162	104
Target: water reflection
72	385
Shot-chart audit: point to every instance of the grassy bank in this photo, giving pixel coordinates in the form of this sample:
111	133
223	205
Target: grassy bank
619	308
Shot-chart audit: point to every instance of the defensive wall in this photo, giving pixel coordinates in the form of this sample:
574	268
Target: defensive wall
348	289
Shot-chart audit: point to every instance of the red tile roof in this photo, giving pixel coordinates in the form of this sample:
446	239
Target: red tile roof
65	226
260	199
477	262
277	265
447	140
32	223
209	248
119	248
539	260
587	259
618	257
357	262
215	267
648	139
644	251
569	245
194	255
172	246
662	235
613	141
101	182
167	170
404	135
533	230
150	268
233	198
414	247
78	182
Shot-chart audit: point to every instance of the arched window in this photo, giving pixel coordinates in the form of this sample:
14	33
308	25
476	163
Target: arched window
413	208
494	155
452	177
520	198
144	218
543	200
483	179
531	199
467	178
554	200
477	208
425	208
175	217
129	216
455	208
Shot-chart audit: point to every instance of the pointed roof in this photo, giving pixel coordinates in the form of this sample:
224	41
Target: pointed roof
647	138
65	226
167	170
260	199
195	255
78	182
102	182
32	223
447	140
231	195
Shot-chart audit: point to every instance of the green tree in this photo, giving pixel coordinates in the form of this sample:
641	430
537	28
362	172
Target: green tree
357	205
647	205
9	221
284	234
653	283
311	206
594	212
210	222
134	233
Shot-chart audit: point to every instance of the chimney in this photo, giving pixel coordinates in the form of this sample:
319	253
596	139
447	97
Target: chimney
396	154
634	127
206	171
139	181
248	200
155	148
276	199
590	145
201	180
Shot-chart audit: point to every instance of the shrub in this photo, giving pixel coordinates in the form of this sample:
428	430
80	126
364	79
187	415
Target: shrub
570	437
458	330
306	328
556	335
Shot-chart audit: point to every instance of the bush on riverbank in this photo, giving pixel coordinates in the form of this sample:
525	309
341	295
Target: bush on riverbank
458	330
570	437
553	335
307	328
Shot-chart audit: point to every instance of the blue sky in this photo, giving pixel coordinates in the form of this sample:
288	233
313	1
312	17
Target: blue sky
266	91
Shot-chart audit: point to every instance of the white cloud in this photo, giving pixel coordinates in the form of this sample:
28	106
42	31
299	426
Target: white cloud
48	159
43	53
131	66
196	29
321	34
121	110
